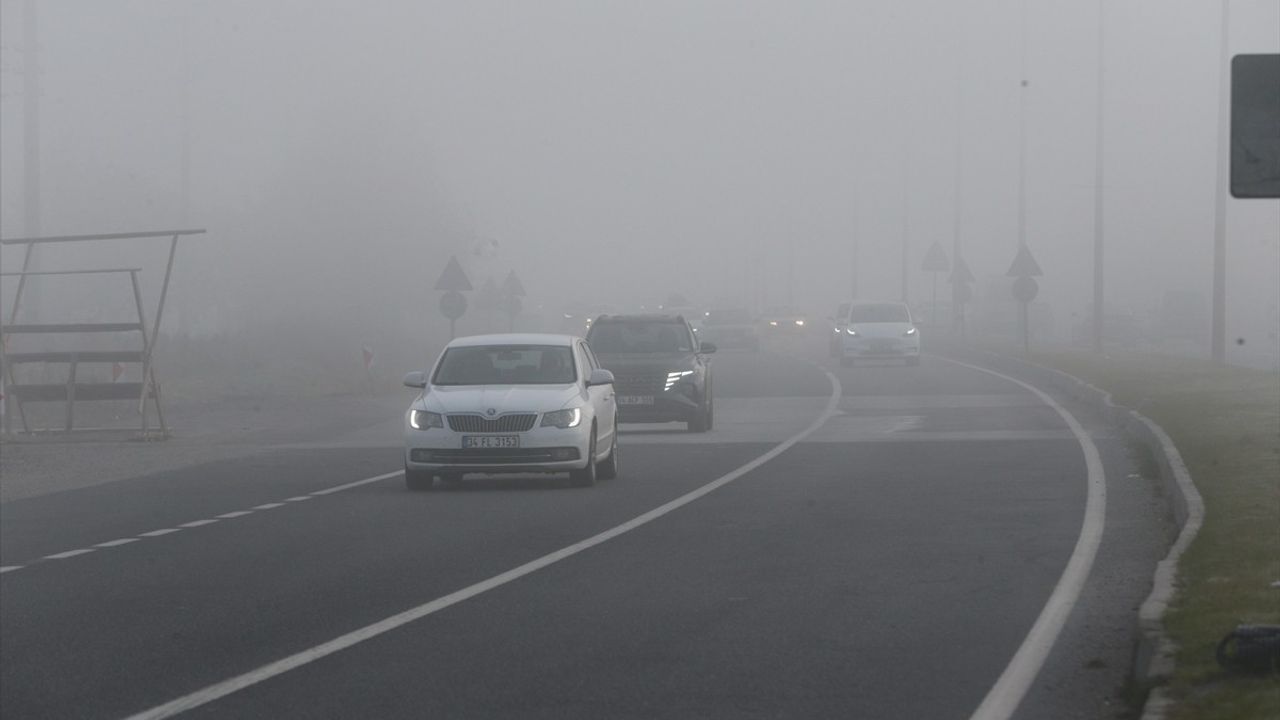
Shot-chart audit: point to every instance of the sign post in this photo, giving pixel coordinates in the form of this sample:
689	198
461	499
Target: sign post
453	304
961	278
512	291
1025	269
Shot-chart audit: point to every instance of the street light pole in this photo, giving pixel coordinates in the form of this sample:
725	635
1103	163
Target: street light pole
31	146
1098	277
1219	330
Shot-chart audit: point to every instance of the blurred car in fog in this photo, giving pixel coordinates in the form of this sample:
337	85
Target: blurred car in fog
661	372
783	319
880	330
839	321
732	328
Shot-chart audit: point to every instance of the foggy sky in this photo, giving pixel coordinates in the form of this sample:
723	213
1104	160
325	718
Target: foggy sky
620	151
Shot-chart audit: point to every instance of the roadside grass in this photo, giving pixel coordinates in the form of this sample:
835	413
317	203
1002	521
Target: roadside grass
1225	422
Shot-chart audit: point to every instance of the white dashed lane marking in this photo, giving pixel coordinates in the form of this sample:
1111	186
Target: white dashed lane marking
200	523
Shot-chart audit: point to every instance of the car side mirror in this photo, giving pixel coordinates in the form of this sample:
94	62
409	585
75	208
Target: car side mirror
600	376
707	348
416	379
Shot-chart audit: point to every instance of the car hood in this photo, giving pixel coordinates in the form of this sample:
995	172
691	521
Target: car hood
500	398
882	330
663	362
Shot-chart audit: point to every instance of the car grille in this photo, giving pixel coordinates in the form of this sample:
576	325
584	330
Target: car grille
521	422
638	383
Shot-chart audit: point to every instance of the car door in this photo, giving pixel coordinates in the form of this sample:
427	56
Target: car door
602	398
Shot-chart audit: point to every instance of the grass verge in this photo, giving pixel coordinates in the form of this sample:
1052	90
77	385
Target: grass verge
1225	422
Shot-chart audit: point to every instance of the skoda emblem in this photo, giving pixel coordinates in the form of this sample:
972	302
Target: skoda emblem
490	412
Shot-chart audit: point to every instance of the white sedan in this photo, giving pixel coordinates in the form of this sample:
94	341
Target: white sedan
512	404
878	331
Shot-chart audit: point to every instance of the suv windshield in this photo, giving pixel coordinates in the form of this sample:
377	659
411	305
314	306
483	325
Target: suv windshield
640	336
879	313
506	365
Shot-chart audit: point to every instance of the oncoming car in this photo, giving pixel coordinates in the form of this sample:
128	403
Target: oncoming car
879	330
512	404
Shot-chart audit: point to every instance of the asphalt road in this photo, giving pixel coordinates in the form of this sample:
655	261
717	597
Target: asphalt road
888	565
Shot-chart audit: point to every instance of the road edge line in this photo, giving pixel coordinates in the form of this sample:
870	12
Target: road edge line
342	642
1011	687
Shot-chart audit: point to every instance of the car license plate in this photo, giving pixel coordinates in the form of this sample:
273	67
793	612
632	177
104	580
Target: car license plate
635	399
490	441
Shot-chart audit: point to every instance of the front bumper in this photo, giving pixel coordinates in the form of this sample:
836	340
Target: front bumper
860	347
681	403
541	450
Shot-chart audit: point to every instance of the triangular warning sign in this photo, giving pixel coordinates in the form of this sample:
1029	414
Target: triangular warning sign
935	260
961	273
453	278
1023	264
512	287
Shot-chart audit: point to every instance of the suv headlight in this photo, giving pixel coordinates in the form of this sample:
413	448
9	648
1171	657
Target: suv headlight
851	332
563	419
909	333
675	377
423	420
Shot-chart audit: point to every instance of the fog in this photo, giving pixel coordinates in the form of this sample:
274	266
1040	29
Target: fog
615	153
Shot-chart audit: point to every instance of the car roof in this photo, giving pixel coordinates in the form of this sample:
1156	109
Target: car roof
514	339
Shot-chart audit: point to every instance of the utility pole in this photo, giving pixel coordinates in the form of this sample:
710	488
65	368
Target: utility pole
31	146
184	156
1219	330
1099	294
1022	133
906	233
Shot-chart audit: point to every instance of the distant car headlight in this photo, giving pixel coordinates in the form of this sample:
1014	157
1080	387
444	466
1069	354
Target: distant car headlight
563	419
851	332
675	377
800	322
423	420
773	323
909	333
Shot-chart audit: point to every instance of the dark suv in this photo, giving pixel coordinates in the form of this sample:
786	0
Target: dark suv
660	372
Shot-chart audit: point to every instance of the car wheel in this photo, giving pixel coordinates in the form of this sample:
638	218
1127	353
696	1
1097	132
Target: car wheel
451	480
586	477
711	409
418	480
608	469
701	422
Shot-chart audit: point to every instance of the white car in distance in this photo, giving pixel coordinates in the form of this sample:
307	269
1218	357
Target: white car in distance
878	330
512	404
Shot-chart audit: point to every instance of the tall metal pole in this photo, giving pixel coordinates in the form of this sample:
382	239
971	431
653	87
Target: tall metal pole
1099	294
1219	331
906	237
1022	132
958	209
31	144
184	157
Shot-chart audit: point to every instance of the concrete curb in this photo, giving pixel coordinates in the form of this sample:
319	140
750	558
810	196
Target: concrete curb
1154	657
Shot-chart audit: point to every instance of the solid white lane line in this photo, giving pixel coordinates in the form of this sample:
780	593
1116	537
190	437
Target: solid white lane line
1003	698
236	514
268	506
198	523
117	543
158	533
298	498
10	568
358	483
342	642
69	554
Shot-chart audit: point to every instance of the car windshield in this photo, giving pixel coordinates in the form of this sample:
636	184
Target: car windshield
644	337
506	365
879	313
728	317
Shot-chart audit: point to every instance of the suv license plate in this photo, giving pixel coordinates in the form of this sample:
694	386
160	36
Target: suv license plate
635	399
490	441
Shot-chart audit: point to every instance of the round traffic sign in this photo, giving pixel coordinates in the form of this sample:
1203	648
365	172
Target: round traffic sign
1025	289
453	304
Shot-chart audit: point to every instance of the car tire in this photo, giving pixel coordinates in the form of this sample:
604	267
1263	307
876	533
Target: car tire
608	470
702	421
418	480
451	480
711	409
586	477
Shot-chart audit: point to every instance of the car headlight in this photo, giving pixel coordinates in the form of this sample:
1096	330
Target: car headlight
800	322
909	333
851	332
563	419
675	377
423	420
773	323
